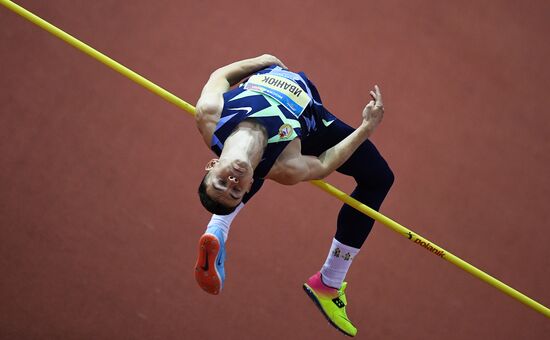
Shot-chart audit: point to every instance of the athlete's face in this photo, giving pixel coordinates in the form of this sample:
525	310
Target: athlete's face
227	182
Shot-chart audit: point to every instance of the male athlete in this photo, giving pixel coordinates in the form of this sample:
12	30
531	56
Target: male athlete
274	126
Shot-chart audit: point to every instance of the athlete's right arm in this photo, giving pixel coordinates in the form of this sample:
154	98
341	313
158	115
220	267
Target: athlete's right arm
295	167
210	103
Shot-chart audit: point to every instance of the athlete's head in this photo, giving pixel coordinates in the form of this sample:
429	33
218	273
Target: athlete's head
224	185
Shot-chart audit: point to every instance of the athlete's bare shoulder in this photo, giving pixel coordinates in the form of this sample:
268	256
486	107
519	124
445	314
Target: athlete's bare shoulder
206	119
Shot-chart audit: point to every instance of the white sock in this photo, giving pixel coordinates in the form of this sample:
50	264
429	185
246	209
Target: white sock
223	222
337	264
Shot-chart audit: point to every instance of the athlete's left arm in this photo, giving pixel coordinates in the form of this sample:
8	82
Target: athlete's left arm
210	103
211	100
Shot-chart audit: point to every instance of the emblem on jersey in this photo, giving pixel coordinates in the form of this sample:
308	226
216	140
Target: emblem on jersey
285	91
285	131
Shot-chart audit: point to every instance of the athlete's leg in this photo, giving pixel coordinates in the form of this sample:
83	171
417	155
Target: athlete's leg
371	172
374	179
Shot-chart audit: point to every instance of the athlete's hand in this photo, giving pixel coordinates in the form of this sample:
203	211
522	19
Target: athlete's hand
374	111
268	60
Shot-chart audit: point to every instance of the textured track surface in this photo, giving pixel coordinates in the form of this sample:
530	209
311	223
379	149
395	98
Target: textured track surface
99	216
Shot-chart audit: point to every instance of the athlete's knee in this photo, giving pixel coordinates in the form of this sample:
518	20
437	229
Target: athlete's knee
387	178
380	178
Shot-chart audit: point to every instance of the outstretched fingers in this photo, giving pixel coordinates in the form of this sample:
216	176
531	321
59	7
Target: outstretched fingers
377	97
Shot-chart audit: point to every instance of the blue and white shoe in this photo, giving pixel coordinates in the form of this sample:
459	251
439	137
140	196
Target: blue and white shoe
209	270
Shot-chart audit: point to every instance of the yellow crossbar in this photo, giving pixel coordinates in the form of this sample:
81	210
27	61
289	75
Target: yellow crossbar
417	239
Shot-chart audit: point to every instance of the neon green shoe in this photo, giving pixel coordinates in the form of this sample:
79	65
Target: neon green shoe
331	302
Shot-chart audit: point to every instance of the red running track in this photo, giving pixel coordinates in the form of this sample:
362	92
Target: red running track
98	212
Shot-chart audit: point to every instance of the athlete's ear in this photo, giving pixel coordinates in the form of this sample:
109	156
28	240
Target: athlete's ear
211	164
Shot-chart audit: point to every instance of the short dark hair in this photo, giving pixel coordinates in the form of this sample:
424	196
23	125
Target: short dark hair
210	204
